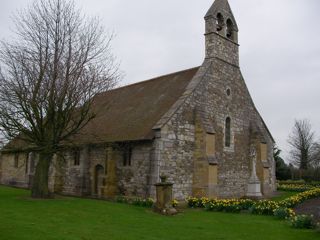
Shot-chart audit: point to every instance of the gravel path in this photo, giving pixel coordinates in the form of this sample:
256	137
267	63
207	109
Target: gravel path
309	207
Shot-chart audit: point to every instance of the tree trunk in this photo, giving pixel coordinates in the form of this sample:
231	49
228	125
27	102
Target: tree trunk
40	187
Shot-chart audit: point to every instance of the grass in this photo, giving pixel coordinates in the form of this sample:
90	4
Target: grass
83	219
283	195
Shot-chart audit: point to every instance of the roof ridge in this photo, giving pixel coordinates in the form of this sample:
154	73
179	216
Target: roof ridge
151	79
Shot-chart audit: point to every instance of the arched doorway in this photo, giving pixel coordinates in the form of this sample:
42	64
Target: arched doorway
98	179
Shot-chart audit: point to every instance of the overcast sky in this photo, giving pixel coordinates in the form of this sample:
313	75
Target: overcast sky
279	48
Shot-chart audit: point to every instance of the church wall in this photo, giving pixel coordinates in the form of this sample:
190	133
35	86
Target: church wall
80	180
135	180
233	162
67	178
184	159
177	154
178	145
14	173
234	165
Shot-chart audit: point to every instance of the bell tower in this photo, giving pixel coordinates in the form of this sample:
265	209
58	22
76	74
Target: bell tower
222	33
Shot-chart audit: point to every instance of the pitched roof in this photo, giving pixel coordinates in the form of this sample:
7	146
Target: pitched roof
217	5
129	113
221	5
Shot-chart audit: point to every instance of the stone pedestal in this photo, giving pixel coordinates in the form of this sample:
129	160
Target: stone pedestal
254	184
254	188
164	199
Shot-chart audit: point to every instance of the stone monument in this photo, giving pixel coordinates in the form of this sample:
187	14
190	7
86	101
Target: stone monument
164	199
254	185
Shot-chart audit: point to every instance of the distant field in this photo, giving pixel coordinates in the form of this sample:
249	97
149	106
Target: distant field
82	219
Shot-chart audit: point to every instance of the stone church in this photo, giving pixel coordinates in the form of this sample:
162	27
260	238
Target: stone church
195	126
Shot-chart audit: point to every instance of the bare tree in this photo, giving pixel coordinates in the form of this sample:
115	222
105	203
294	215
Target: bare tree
59	60
302	144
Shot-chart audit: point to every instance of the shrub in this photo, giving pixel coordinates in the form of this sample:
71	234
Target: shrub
302	221
284	213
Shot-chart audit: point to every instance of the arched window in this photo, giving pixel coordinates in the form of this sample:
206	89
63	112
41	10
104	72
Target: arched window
229	29
16	160
108	151
227	134
219	22
228	91
127	156
76	157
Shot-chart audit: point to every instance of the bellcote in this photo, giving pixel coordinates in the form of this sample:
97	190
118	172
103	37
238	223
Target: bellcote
220	19
222	33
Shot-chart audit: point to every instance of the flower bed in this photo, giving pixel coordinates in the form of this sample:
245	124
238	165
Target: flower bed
294	187
223	205
300	182
135	201
302	221
229	205
299	198
194	202
297	186
262	207
141	202
284	213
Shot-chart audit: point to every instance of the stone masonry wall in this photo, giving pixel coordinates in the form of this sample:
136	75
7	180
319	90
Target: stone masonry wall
14	175
134	180
70	179
210	99
80	180
217	92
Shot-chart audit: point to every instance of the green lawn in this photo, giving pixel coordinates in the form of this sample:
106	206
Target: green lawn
283	195
82	219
